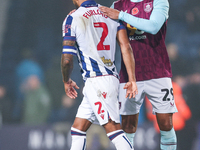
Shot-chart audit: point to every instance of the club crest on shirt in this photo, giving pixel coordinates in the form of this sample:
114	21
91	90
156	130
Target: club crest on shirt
148	7
134	11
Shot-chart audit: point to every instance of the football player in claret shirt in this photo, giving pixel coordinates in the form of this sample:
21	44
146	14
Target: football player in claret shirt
91	36
146	23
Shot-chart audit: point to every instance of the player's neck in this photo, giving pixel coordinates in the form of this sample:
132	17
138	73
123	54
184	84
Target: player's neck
79	2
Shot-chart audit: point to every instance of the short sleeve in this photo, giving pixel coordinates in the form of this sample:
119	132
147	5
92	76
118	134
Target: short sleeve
68	33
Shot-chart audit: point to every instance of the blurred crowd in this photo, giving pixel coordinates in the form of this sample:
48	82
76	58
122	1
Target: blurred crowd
31	87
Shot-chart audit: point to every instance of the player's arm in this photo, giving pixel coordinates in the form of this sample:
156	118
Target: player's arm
72	11
68	51
67	67
158	16
129	62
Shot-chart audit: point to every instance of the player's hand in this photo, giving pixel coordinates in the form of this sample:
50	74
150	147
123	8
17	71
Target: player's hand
71	11
110	12
131	89
69	89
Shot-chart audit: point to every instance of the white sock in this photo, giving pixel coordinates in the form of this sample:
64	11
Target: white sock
78	139
131	136
168	140
120	140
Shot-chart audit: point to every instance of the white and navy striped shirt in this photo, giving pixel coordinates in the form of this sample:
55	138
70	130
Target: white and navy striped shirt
95	35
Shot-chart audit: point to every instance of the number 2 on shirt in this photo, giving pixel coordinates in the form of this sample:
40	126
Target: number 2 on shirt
100	45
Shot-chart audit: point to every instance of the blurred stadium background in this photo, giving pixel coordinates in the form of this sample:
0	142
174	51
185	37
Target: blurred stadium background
35	114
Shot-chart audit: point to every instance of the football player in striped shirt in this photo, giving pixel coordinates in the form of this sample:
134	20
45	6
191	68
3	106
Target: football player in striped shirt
91	36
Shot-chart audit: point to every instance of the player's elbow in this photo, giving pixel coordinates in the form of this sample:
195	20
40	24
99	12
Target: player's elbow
154	30
67	61
65	64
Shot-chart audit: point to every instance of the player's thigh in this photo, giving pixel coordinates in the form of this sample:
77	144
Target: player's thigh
131	106
160	94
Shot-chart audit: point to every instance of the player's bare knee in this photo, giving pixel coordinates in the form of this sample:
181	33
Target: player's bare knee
81	124
112	126
129	128
165	126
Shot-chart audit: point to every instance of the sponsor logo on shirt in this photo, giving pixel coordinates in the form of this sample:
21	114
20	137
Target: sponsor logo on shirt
132	29
141	37
148	7
107	62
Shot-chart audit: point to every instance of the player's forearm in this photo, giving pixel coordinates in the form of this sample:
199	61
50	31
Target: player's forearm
149	26
129	62
66	66
127	53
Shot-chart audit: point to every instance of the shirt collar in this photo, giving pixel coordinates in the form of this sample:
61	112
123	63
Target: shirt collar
136	1
89	3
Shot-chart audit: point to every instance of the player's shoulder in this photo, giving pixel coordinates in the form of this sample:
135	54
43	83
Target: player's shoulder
118	1
72	15
76	13
160	3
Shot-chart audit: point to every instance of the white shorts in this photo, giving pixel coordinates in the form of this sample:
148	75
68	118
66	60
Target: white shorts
100	101
158	91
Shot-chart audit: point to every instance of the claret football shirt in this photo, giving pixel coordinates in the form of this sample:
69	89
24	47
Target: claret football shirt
151	57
